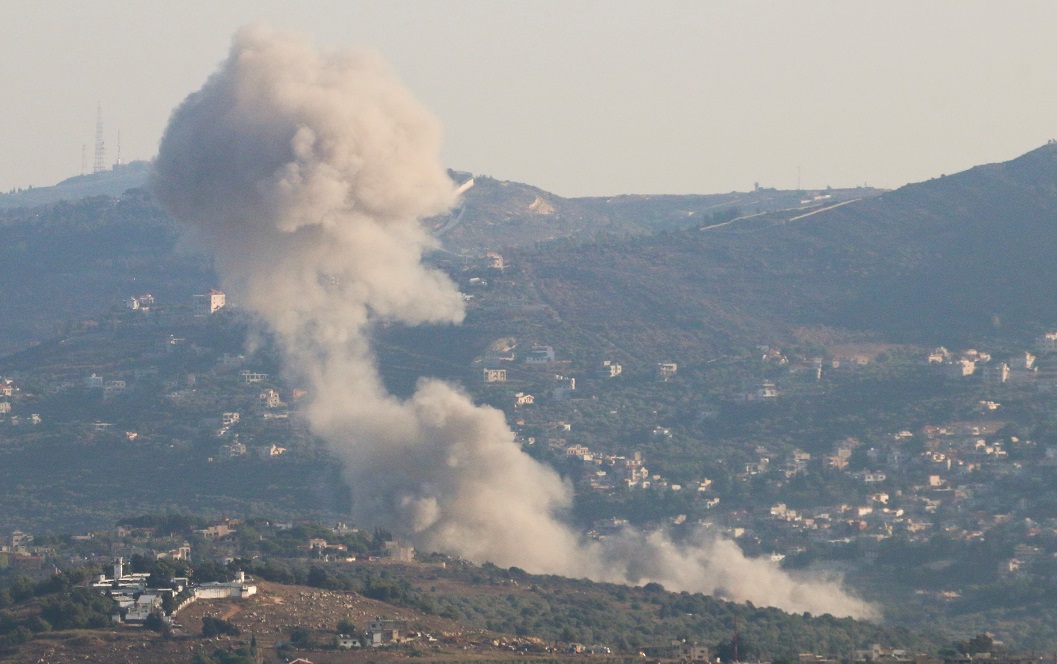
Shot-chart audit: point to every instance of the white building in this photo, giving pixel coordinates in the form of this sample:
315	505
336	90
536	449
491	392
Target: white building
217	590
609	369
962	367
494	375
495	260
209	303
400	551
540	355
249	377
346	642
523	399
270	399
144	605
566	386
381	632
666	370
140	302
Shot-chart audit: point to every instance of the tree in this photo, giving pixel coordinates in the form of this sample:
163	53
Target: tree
318	577
37	624
385	590
381	536
346	626
21	588
734	649
210	571
301	637
161	574
78	609
53	584
978	644
155	622
15	637
216	626
221	656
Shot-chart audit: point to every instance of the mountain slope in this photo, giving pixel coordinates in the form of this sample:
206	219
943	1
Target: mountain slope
963	256
73	260
953	258
496	214
105	183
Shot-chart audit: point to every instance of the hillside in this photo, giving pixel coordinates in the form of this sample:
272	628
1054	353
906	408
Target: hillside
105	183
463	612
74	260
74	250
956	258
963	258
496	214
971	252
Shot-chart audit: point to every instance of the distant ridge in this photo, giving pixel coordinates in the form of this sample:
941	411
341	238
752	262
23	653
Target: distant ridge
500	214
954	257
114	182
957	258
495	214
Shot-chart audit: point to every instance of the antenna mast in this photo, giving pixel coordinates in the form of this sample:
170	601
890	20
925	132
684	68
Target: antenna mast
118	162
100	147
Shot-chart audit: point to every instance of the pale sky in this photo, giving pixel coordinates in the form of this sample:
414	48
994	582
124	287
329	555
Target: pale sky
580	97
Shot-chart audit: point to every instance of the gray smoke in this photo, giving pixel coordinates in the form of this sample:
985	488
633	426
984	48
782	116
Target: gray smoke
306	174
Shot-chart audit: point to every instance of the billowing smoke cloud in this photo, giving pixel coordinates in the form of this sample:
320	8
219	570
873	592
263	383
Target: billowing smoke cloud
306	174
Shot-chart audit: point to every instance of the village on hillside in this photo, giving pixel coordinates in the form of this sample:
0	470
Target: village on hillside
954	467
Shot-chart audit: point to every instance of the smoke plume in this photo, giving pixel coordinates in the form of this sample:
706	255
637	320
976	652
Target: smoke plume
306	174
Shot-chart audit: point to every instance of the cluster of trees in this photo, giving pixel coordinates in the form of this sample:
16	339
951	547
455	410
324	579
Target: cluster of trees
167	524
552	608
578	611
212	626
625	618
88	249
243	655
77	608
59	602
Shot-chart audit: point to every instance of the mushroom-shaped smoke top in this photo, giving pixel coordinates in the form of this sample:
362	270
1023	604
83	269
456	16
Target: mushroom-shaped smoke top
306	174
290	162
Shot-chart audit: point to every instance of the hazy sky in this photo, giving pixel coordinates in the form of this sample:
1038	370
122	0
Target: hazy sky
580	97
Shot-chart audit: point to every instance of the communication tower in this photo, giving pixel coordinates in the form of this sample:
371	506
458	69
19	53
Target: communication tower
100	147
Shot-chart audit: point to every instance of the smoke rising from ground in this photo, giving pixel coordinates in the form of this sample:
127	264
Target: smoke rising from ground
306	174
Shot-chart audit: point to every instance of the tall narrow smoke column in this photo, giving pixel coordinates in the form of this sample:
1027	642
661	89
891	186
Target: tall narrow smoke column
306	174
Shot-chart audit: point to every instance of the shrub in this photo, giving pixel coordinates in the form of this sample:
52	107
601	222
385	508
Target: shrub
216	626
